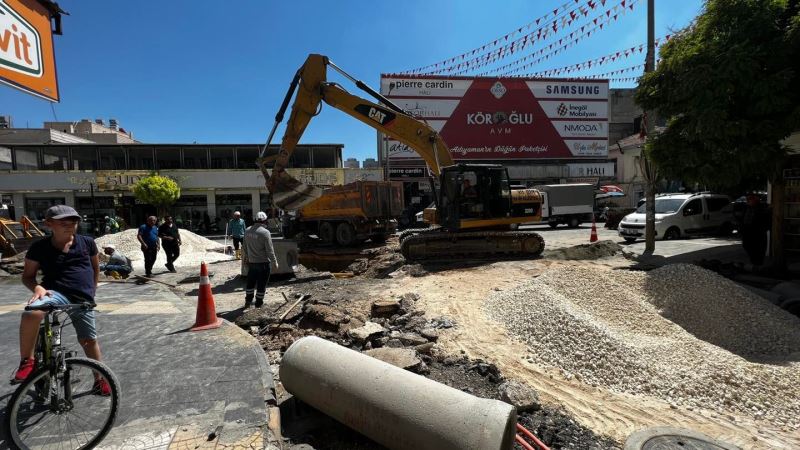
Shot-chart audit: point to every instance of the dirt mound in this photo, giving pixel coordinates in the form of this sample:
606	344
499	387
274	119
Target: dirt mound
596	250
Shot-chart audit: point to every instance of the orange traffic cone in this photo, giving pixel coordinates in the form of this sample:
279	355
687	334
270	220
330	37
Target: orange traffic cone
206	311
593	236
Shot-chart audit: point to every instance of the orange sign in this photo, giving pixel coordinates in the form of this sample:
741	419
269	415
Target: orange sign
27	59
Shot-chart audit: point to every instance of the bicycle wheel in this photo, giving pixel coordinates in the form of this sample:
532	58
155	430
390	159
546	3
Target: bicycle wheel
74	415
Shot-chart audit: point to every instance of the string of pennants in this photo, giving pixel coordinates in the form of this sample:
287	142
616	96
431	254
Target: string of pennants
551	23
553	15
607	59
545	53
595	76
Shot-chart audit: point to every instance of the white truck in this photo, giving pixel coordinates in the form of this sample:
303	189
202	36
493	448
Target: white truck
570	204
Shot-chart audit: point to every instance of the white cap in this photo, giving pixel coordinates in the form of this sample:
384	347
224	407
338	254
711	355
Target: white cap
111	246
261	216
237	213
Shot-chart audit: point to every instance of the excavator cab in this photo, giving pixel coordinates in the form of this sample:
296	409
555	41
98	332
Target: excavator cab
473	194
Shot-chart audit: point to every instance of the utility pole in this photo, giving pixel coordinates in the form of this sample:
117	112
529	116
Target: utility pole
648	170
93	222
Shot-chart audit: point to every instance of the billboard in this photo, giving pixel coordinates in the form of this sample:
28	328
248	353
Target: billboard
27	59
505	118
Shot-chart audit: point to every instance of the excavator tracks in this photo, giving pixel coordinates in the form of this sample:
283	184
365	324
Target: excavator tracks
442	245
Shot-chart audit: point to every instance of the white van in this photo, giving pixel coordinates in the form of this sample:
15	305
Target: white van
681	215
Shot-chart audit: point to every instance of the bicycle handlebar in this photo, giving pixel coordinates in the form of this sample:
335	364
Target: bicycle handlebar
51	308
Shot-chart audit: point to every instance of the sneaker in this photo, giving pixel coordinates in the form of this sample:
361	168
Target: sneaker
259	304
101	387
26	366
247	305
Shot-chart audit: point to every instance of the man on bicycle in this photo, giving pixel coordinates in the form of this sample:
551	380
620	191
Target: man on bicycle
71	269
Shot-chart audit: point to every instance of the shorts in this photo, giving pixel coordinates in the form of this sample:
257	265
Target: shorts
82	319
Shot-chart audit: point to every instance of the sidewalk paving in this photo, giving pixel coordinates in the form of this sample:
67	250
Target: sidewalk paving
177	386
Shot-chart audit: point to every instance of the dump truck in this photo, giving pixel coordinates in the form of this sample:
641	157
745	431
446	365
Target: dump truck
350	214
569	204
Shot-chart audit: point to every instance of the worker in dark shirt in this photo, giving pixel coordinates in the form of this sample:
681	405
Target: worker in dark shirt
170	241
71	268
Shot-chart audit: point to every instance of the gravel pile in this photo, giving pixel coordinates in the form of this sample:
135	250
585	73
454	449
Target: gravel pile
679	333
194	249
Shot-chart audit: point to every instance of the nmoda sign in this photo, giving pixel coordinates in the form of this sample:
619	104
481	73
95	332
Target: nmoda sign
27	61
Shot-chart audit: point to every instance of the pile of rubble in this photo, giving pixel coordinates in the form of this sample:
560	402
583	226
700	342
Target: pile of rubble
393	330
679	333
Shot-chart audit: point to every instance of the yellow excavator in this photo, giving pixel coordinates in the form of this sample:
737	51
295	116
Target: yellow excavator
475	211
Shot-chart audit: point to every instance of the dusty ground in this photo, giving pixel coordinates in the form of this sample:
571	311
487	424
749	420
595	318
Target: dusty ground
569	414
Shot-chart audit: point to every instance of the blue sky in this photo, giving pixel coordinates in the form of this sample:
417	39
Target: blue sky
216	72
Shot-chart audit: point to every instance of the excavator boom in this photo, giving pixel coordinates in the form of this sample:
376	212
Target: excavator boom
312	88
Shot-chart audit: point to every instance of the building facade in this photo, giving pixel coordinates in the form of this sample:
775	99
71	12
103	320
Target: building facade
96	178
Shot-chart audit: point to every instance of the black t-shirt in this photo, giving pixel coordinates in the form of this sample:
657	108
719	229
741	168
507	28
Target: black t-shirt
69	273
170	231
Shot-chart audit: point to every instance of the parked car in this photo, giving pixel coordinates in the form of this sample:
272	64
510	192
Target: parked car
681	215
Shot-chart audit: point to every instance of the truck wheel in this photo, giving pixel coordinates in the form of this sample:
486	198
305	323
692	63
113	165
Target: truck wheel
552	224
326	232
345	234
574	222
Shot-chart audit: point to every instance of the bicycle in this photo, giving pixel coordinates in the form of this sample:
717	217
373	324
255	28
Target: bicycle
60	403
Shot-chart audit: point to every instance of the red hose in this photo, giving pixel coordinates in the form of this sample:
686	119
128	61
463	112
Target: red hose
523	443
530	436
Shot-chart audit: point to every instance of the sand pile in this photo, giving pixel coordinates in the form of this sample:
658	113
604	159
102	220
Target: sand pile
194	249
679	333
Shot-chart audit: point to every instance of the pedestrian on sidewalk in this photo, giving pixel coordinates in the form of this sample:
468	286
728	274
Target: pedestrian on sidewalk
148	237
258	254
236	229
755	224
71	269
117	262
171	241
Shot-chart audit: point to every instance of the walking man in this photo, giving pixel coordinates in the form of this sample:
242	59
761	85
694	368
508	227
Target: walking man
236	229
148	237
71	268
755	224
171	241
258	254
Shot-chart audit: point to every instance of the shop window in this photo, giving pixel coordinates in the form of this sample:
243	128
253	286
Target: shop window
195	158
168	157
27	158
5	159
228	204
112	158
190	211
246	157
55	158
36	207
84	158
301	158
325	157
141	158
222	158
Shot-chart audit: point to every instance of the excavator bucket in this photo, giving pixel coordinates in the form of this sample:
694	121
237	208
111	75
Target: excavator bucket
288	193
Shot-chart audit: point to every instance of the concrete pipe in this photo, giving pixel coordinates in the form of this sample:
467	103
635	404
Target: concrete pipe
393	407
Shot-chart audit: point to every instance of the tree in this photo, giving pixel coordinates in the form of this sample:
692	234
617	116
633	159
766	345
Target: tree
158	191
729	88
